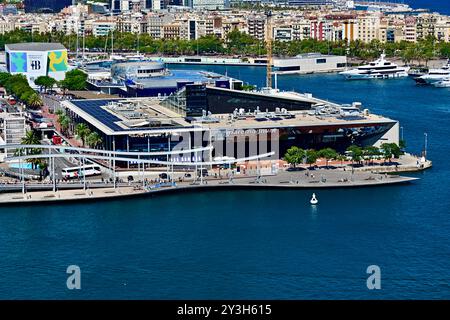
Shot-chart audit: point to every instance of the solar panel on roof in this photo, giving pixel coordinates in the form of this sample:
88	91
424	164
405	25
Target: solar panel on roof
95	110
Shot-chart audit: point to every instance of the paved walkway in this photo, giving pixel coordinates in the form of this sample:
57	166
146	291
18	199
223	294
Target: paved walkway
286	179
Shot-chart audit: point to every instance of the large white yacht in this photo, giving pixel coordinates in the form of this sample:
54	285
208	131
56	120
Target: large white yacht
378	69
435	75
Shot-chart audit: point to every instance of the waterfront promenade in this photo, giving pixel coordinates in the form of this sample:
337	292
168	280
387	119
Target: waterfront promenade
301	179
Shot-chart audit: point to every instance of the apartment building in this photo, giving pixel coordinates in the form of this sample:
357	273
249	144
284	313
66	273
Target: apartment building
203	19
442	29
103	27
172	31
6	25
410	29
368	27
425	25
256	27
132	25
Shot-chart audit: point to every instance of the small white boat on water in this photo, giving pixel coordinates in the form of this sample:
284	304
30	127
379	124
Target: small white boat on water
443	83
314	199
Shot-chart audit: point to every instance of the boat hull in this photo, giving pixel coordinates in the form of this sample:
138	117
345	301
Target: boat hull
442	84
350	76
431	79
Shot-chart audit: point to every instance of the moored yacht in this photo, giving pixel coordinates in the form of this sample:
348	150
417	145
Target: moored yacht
378	69
443	83
435	75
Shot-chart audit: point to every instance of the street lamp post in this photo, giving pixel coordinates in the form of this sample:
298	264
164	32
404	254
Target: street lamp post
401	133
54	174
84	173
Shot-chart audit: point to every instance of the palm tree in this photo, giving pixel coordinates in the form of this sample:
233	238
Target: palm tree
43	167
64	123
30	139
59	113
35	101
82	131
94	139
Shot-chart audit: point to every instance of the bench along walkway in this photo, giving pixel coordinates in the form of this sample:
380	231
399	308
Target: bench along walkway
285	179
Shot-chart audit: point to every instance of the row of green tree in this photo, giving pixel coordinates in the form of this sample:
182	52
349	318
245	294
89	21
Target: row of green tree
74	80
356	154
18	86
237	43
82	131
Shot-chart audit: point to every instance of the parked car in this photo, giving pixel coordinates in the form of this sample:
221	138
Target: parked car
164	176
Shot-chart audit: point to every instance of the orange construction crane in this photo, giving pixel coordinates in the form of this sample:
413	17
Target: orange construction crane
269	48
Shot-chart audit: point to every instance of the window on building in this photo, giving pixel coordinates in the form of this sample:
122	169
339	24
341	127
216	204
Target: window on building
291	68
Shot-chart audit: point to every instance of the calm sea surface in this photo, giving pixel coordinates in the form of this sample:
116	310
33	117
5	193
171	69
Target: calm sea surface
253	244
442	6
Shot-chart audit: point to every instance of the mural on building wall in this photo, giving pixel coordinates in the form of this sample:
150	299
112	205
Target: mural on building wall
18	61
58	61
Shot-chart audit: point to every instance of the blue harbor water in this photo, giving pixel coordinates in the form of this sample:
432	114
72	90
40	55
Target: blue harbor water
441	6
253	244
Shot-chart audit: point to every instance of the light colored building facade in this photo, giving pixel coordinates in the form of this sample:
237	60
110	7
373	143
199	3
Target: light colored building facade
14	129
103	27
37	59
310	63
208	4
201	17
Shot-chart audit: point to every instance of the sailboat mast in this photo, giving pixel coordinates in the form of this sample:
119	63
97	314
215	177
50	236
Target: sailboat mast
112	34
138	34
84	44
78	39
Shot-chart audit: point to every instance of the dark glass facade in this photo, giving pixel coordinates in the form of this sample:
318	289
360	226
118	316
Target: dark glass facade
192	30
390	35
224	101
244	143
148	4
336	137
196	99
54	5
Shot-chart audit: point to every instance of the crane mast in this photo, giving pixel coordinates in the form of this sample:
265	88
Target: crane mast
269	48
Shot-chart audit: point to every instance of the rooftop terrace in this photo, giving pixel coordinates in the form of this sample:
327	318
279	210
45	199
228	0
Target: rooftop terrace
148	116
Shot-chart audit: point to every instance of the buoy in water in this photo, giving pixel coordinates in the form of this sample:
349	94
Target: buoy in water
314	199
